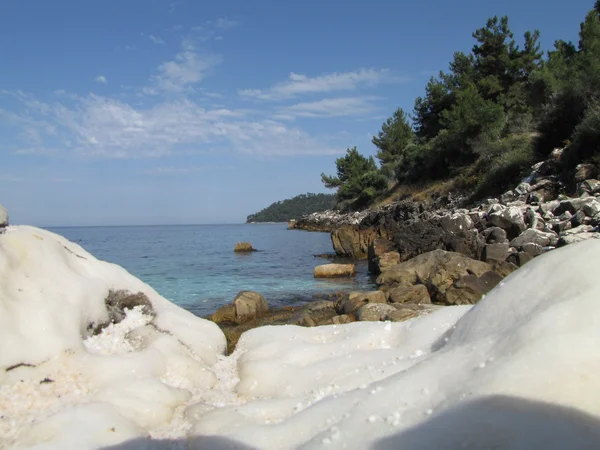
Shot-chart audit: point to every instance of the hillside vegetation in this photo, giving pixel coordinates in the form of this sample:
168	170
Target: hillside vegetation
487	119
284	211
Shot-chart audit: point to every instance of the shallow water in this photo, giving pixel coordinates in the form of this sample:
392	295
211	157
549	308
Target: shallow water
195	266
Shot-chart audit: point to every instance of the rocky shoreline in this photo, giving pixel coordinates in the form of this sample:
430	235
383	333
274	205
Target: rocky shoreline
432	256
538	215
91	357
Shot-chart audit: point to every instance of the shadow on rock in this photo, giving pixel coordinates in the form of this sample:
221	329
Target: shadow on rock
501	422
201	442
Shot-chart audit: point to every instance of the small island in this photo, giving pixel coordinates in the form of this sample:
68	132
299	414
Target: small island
292	208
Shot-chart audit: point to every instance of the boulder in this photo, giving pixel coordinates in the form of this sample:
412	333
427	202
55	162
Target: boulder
495	252
409	294
438	270
352	241
469	289
495	235
406	312
351	302
572	205
523	258
534	236
249	305
532	249
591	208
314	313
335	270
414	239
509	219
3	217
585	171
588	186
377	248
243	247
456	223
374	312
385	261
342	319
573	238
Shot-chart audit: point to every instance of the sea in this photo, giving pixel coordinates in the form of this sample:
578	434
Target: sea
195	266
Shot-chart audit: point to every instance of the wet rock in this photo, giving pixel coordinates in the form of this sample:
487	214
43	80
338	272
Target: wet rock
374	312
335	271
353	301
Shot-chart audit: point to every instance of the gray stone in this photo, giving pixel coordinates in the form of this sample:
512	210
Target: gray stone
469	289
592	208
572	205
534	236
495	235
532	249
456	223
523	188
495	252
509	219
507	197
585	171
374	312
523	258
3	217
573	238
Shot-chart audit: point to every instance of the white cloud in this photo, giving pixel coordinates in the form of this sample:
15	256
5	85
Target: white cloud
105	127
332	107
187	69
156	39
172	170
225	24
298	84
101	79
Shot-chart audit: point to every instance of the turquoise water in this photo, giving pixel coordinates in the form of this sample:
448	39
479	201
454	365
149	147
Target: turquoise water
195	266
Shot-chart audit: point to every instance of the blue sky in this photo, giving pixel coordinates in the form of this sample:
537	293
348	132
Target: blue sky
181	111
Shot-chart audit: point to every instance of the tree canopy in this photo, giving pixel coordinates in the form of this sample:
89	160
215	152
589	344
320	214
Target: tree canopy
490	115
293	208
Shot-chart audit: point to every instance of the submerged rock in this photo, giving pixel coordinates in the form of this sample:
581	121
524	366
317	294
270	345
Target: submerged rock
243	247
